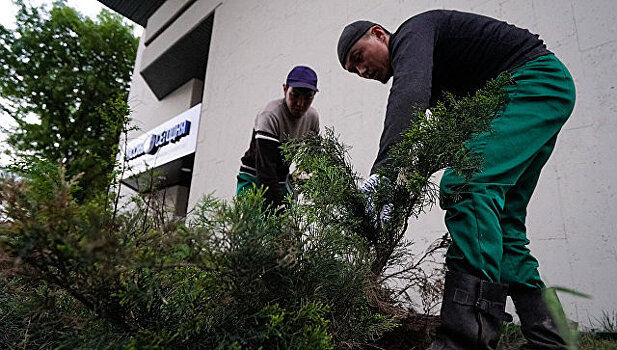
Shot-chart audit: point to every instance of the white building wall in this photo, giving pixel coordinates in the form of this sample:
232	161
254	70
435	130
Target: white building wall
146	110
573	215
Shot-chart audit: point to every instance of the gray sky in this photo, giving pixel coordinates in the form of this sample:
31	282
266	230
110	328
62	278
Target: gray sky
89	8
8	10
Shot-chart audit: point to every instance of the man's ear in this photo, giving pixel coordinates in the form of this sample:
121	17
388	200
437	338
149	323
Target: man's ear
285	89
378	32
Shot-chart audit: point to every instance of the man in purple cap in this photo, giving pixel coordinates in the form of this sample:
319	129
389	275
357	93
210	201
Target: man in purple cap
281	120
443	50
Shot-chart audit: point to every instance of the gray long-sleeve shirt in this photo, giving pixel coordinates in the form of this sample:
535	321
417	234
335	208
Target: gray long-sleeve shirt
453	51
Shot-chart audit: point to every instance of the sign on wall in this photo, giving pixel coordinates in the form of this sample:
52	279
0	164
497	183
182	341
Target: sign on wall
168	141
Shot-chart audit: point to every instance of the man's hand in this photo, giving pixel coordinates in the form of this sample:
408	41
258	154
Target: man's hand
368	189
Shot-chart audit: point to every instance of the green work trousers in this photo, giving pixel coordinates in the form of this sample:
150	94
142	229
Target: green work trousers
247	181
486	215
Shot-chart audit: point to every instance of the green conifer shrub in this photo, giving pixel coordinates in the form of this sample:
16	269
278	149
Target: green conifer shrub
436	141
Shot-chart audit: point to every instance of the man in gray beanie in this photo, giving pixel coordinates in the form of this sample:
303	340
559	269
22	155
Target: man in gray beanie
488	259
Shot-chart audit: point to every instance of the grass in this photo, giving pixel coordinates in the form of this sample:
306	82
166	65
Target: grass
604	337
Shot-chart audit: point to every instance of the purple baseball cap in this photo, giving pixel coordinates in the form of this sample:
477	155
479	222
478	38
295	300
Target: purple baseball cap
302	77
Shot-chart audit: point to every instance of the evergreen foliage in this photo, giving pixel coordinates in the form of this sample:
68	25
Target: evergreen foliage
233	275
436	141
234	278
70	73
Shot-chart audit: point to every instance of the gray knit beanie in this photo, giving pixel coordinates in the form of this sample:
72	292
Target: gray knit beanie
350	35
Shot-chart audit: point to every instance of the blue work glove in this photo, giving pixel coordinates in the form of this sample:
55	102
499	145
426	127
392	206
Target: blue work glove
368	188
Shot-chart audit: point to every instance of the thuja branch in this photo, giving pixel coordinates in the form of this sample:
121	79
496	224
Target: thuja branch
435	141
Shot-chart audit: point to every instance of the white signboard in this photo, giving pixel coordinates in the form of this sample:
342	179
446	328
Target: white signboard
169	141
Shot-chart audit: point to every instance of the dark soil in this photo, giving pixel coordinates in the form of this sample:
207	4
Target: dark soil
416	332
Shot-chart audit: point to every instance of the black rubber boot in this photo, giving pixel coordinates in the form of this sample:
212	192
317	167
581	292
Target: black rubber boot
537	323
472	312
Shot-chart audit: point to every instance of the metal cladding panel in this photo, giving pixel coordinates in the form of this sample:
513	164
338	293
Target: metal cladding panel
185	60
136	11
